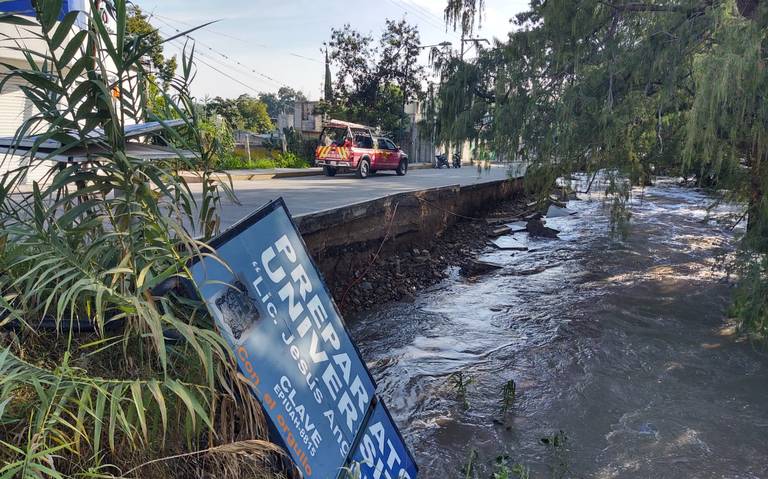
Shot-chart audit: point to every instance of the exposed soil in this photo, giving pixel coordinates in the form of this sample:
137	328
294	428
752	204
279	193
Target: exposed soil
398	276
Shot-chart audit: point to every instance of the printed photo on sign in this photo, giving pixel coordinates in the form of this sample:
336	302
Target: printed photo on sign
235	310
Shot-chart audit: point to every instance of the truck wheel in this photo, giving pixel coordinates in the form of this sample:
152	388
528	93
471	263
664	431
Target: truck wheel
402	168
329	171
363	169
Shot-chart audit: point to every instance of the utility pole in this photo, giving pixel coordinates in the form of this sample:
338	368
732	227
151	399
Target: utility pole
473	40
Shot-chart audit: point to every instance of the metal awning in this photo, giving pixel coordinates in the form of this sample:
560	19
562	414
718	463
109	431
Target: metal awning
22	147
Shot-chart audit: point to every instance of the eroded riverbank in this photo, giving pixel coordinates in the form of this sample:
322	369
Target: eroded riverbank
618	344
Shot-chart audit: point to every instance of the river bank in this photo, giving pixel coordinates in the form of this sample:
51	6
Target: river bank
609	358
401	275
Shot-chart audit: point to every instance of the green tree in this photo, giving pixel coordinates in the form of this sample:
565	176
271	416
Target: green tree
137	25
625	86
374	82
282	101
254	114
227	109
243	112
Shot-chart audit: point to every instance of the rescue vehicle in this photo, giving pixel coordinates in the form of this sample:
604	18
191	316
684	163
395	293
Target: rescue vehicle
351	147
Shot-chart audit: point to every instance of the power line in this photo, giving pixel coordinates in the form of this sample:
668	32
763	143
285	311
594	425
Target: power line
230	59
427	20
178	43
306	58
424	10
227	75
262	45
153	14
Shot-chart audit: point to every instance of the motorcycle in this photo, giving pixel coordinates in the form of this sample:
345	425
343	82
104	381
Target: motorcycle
456	160
441	161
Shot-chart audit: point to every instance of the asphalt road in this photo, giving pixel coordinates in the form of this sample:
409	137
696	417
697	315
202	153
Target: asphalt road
317	193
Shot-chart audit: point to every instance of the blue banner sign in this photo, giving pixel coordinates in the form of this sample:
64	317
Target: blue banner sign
382	453
274	310
24	7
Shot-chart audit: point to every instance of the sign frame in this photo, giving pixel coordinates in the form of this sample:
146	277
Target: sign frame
231	234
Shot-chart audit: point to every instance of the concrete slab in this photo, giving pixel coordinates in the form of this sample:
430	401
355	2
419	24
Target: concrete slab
317	193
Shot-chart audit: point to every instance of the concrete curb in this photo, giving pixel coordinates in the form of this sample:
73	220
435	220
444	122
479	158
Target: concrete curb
256	175
343	239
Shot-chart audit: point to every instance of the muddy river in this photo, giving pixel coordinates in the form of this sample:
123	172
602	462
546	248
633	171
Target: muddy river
587	356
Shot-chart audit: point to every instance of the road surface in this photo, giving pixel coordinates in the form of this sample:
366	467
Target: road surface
317	193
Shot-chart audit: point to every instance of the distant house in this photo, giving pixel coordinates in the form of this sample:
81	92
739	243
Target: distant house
303	119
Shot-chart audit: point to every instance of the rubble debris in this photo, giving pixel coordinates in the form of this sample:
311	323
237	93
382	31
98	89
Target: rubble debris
399	275
509	243
518	226
555	202
500	231
555	211
476	267
501	220
535	227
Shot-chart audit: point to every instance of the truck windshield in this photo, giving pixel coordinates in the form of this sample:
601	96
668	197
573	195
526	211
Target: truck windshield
333	136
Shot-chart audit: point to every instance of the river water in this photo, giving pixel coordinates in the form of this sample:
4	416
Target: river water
619	350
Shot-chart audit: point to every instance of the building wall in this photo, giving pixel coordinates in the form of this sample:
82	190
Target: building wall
305	120
14	107
417	144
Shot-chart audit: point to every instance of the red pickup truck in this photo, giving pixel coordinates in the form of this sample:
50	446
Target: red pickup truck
348	146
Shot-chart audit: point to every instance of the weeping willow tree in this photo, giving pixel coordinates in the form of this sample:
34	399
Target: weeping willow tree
671	86
103	370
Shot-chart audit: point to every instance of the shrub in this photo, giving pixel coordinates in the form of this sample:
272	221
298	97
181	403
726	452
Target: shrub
107	392
289	160
237	161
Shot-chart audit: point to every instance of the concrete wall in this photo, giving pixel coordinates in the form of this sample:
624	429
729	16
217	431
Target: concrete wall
345	239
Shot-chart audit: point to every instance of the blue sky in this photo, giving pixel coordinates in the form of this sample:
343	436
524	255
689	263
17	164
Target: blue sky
281	41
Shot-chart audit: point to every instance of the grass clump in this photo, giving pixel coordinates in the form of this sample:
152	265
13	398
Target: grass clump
99	373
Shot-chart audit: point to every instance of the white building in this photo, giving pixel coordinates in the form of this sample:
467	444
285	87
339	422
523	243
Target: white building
14	106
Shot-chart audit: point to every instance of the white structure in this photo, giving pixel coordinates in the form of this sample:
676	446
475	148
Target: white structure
303	119
14	107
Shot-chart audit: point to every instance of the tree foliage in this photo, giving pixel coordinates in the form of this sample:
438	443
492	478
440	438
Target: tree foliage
243	112
282	101
137	24
375	81
631	87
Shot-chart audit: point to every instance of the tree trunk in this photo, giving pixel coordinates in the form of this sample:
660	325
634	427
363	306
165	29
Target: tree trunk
755	197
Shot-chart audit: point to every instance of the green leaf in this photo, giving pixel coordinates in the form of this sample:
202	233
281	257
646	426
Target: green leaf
116	396
64	29
11	19
48	13
74	46
154	388
138	403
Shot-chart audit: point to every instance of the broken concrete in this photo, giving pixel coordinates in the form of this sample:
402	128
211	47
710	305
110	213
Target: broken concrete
510	243
555	211
535	227
476	267
344	239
